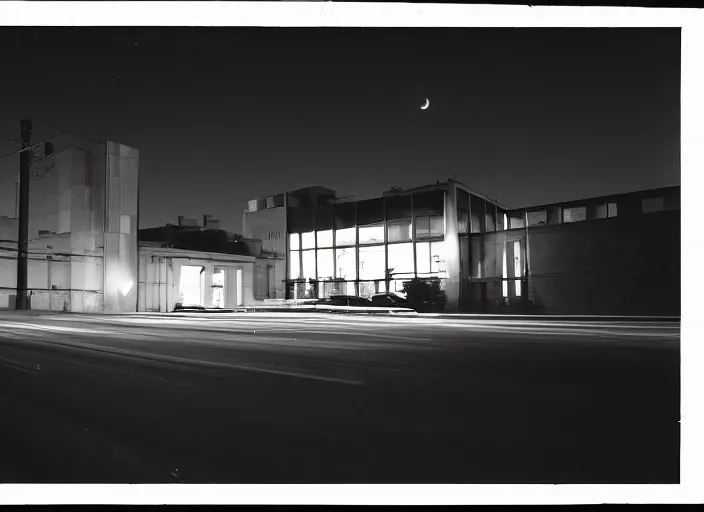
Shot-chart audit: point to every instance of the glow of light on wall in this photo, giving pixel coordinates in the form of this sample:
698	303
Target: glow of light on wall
125	286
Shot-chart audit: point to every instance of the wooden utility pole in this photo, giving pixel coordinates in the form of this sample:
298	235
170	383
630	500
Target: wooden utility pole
23	229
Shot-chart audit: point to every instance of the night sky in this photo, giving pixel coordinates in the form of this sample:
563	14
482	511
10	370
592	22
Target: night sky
224	115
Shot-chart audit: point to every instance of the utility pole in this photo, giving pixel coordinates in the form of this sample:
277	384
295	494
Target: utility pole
23	230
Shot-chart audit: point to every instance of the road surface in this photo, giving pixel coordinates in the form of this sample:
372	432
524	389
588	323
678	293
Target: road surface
315	398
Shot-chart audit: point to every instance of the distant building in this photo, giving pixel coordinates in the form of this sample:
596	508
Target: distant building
82	230
609	255
200	265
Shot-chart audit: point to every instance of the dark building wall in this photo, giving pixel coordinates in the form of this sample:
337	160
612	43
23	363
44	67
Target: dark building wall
626	265
618	266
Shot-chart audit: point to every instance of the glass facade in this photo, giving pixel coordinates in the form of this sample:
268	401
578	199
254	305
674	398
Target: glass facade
376	245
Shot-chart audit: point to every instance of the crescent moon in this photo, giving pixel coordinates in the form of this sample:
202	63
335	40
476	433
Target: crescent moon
427	104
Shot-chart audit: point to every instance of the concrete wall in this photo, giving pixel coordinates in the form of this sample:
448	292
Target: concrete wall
68	200
269	226
121	226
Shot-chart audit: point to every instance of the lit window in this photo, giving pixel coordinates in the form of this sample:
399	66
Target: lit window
399	230
294	241
423	258
309	264
294	265
325	238
308	240
372	262
326	264
346	236
401	258
371	233
437	258
575	214
346	263
653	204
505	221
611	210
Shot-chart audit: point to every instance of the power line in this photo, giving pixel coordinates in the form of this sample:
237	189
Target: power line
49	123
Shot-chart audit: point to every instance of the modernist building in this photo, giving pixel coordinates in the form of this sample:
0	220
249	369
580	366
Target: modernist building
566	258
82	230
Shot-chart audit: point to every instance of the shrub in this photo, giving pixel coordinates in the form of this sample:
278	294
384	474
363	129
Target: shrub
425	295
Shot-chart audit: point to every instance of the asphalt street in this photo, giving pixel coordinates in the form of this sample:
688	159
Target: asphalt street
326	398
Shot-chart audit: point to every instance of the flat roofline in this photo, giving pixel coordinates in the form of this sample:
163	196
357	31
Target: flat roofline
192	254
644	192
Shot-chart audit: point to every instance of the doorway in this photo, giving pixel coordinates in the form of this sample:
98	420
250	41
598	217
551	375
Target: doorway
218	287
191	285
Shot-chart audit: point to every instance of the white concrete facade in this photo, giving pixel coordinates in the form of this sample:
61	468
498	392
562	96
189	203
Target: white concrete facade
160	278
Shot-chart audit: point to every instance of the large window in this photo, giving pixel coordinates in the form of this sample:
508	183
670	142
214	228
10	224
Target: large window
399	211
399	230
401	258
371	233
478	217
294	264
294	241
423	259
344	214
346	236
429	226
372	262
437	258
430	259
309	264
346	263
490	216
308	240
326	264
325	238
462	211
370	218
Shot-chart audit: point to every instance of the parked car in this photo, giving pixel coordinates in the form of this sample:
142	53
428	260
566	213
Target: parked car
389	300
345	300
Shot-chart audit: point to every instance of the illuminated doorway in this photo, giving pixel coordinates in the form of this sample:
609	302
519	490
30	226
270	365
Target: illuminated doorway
191	285
218	288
